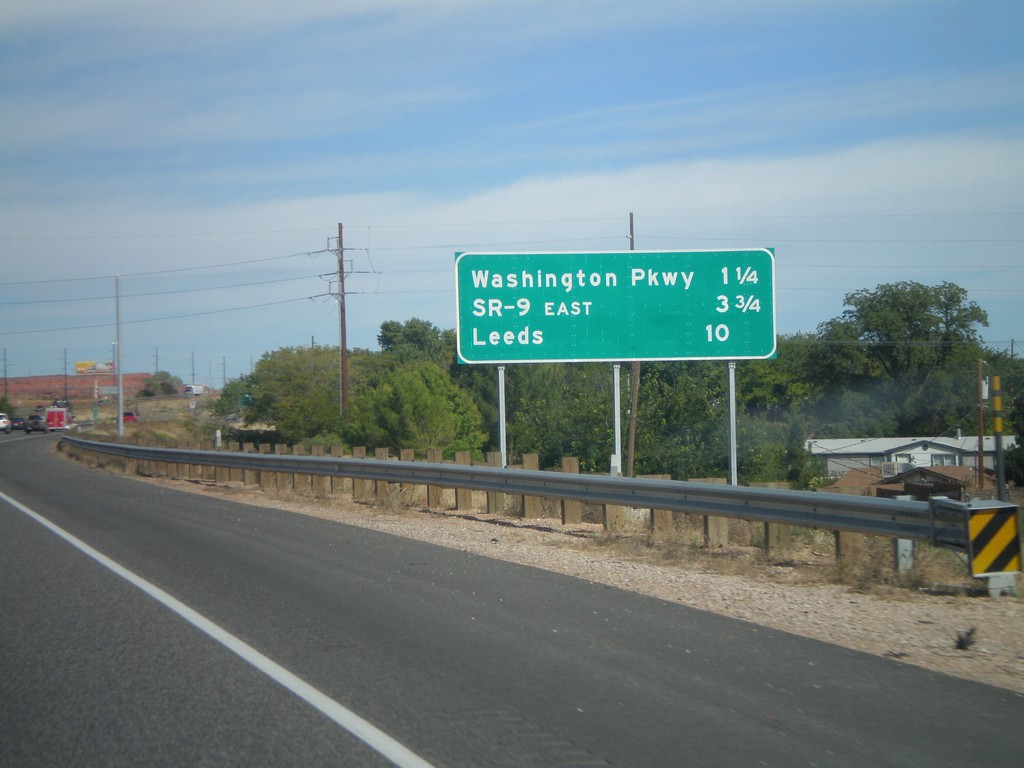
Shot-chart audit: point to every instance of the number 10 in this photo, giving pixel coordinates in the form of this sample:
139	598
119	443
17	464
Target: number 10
718	332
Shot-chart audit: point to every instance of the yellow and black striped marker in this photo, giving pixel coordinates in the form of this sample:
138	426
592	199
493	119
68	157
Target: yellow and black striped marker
994	539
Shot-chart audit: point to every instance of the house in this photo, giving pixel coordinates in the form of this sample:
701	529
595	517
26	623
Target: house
892	456
921	483
924	482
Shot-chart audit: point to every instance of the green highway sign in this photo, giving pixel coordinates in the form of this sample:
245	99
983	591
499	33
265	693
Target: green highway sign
615	306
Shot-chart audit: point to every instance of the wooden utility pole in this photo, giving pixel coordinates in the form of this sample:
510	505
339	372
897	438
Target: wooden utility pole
341	323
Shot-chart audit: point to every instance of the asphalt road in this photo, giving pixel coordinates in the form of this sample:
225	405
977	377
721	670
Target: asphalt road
233	635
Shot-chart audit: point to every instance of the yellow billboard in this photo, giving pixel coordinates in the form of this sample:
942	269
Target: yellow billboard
84	367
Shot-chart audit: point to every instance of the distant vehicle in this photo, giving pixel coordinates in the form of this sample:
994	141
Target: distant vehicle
17	422
195	389
129	417
35	423
58	418
5	423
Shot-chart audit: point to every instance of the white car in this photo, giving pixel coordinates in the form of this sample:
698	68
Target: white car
5	423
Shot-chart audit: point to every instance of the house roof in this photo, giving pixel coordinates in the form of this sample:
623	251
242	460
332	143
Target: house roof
883	446
858	478
962	475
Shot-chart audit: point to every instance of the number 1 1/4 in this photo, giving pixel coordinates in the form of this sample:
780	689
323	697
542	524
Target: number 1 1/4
744	275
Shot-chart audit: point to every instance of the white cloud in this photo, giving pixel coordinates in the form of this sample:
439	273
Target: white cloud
552	16
140	137
931	211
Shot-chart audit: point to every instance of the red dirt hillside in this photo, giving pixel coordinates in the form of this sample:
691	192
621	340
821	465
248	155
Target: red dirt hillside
26	392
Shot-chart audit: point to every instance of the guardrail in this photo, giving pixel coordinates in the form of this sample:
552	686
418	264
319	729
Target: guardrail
939	521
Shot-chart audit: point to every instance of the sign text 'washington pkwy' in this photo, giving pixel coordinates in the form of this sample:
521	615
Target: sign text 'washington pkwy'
615	306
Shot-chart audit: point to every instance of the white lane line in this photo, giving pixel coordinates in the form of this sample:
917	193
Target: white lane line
369	734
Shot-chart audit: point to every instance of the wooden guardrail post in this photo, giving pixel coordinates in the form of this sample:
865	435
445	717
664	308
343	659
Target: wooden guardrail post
359	484
162	467
463	496
339	484
235	474
225	475
319	484
572	509
170	469
264	479
435	493
209	473
716	529
849	545
532	507
181	469
495	499
381	488
135	466
778	537
614	517
661	519
195	471
298	480
407	490
249	477
282	480
130	465
142	466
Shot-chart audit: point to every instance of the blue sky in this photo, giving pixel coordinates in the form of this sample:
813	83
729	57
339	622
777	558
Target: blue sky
207	154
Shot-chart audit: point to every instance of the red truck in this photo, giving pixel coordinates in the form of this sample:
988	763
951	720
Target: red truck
57	418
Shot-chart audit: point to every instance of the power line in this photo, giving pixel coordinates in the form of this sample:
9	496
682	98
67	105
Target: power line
922	215
851	241
799	289
161	319
150	236
170	271
465	246
160	293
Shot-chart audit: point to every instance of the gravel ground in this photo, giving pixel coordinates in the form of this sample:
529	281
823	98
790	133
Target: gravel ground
908	626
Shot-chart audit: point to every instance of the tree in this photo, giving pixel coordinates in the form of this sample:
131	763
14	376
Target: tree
682	424
417	406
416	339
235	396
481	383
561	409
1014	458
296	389
908	345
777	387
160	383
